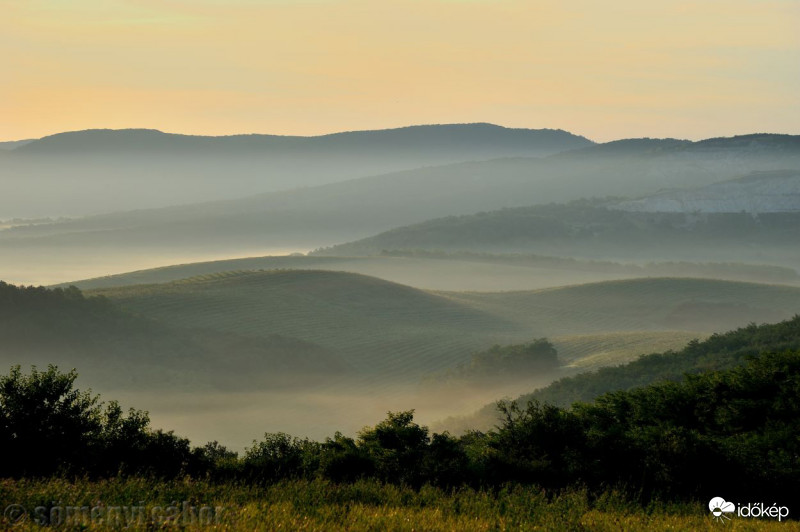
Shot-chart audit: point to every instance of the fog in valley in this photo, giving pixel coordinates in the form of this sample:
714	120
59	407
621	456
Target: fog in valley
233	286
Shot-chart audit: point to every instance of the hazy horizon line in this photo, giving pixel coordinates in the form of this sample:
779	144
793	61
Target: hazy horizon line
390	128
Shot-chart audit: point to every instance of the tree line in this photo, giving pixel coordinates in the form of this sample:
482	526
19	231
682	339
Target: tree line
732	432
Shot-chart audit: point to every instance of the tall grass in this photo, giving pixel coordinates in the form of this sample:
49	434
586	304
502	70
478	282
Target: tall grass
366	506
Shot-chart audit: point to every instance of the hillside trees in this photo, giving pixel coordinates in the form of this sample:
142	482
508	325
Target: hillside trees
732	432
718	352
504	363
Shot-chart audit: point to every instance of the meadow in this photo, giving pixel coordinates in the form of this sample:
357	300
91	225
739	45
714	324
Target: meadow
362	506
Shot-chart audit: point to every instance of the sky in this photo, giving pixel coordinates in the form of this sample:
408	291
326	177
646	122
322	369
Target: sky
604	69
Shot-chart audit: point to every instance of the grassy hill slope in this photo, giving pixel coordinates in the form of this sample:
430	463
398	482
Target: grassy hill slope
218	331
640	304
420	272
388	329
378	326
116	349
584	352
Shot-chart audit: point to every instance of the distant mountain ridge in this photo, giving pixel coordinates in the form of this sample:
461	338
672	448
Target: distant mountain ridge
100	171
307	218
478	138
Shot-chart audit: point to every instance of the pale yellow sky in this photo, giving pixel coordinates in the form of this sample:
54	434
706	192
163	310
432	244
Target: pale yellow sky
605	69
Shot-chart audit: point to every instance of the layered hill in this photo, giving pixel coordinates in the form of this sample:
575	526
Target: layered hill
441	142
316	351
601	229
652	304
303	219
380	328
457	271
94	171
395	332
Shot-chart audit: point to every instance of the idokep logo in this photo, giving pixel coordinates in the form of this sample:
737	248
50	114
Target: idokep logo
719	507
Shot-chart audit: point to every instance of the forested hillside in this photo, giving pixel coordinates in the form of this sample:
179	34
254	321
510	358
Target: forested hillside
719	352
596	229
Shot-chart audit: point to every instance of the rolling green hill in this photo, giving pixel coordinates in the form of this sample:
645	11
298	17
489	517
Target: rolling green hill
464	273
457	271
115	349
383	328
368	343
379	327
655	304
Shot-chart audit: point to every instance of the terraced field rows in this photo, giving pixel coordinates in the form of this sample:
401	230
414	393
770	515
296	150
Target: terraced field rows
591	351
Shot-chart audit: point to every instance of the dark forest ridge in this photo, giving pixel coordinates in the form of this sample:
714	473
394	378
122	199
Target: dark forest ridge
595	231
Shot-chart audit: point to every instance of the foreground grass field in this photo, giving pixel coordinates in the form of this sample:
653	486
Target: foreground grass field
320	505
